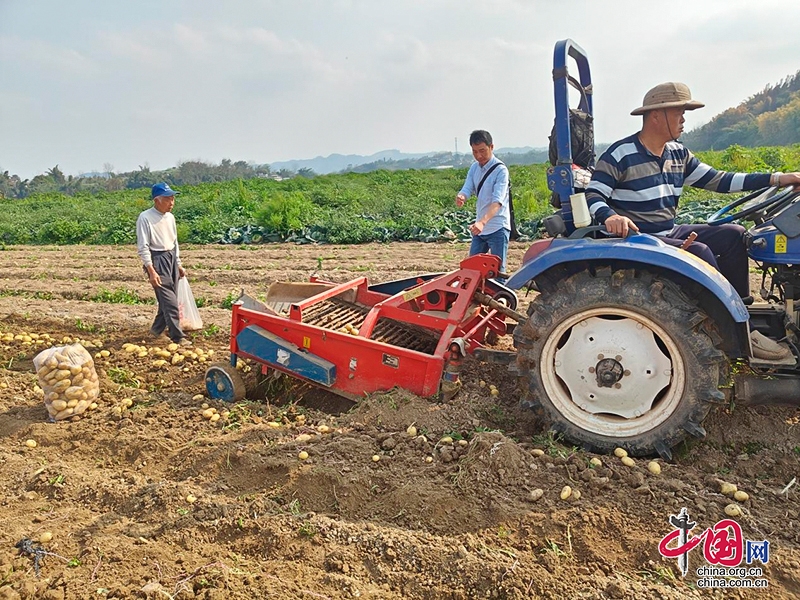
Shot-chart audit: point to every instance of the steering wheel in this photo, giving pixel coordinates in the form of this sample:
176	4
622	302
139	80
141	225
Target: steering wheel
754	202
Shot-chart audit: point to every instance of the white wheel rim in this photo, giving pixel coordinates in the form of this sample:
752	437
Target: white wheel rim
647	392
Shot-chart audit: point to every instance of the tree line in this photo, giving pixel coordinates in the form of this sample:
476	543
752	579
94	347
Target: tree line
769	118
186	173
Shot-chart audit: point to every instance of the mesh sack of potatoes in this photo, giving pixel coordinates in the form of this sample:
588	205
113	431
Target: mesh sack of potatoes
68	379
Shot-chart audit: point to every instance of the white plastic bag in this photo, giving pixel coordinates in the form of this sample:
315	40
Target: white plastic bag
69	380
187	308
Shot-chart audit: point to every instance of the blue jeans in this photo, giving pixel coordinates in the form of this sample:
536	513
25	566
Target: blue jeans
492	243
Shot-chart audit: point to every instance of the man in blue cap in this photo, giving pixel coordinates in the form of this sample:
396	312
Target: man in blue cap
157	245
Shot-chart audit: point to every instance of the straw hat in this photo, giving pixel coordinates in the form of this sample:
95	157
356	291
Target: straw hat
672	94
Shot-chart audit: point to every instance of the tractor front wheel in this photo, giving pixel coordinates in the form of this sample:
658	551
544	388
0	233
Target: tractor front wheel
619	358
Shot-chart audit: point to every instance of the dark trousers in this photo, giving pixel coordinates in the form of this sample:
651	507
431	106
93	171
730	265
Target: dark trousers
493	243
168	316
721	246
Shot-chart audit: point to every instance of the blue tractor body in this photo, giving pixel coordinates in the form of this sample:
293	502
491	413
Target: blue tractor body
628	342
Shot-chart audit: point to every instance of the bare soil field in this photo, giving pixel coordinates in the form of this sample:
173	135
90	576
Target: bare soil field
144	497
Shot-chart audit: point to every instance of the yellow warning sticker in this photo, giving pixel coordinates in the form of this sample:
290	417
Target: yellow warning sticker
306	342
411	294
780	244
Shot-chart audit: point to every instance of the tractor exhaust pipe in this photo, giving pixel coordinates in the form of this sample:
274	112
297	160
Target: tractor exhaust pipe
752	390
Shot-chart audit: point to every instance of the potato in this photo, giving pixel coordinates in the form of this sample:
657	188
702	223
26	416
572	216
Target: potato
61	386
620	452
595	462
733	510
729	489
45	537
535	494
741	496
67	412
566	492
627	461
654	467
376	457
302	455
537	452
59	405
73	392
411	431
31	443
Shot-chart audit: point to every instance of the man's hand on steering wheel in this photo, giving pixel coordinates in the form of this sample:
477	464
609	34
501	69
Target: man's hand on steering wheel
620	226
786	179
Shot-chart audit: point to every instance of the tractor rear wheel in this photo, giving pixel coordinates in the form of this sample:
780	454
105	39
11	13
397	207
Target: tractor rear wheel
619	358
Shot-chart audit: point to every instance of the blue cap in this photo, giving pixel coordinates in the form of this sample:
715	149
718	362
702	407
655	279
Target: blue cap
162	189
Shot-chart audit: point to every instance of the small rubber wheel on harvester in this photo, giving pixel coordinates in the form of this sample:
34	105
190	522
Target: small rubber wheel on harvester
223	382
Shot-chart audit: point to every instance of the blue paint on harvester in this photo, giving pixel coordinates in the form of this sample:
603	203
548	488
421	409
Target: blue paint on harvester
277	352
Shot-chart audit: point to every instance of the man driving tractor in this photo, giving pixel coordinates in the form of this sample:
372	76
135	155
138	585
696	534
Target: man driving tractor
639	179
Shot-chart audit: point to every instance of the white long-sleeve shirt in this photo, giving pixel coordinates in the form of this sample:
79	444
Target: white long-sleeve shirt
156	231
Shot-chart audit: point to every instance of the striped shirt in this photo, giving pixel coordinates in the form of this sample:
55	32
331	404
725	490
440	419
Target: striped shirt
631	181
494	189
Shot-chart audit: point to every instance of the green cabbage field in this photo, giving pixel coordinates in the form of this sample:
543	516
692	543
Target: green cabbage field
349	208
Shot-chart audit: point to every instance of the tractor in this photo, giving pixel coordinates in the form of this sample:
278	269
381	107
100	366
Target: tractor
628	343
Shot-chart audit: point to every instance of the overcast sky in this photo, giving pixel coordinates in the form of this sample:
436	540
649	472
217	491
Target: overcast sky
156	82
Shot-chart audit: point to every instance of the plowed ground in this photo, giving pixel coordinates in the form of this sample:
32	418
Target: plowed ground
154	500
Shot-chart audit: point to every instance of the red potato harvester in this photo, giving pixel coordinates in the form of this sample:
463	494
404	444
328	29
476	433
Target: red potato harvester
352	338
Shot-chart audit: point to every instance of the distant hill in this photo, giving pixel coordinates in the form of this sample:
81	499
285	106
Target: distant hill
769	118
394	160
339	162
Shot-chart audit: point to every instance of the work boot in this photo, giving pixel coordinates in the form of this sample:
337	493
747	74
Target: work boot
156	334
767	349
184	342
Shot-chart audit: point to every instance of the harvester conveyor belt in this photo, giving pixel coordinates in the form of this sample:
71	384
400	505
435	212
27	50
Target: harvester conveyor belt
336	314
